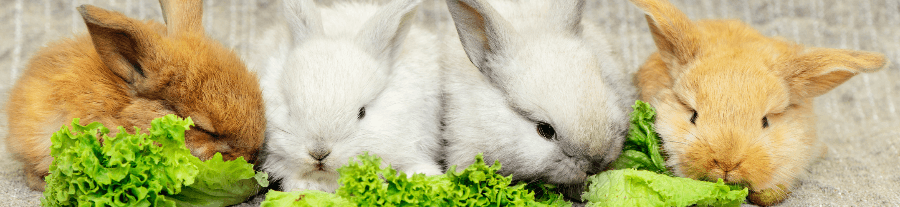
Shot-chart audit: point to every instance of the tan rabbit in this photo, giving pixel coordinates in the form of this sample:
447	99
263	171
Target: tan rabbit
127	72
737	105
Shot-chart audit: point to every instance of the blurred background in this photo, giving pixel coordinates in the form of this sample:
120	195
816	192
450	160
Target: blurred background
859	120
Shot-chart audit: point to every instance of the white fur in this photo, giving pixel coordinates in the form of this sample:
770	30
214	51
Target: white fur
339	59
543	65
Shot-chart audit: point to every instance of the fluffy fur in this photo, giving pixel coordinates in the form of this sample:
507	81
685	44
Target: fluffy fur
752	96
125	73
338	60
532	62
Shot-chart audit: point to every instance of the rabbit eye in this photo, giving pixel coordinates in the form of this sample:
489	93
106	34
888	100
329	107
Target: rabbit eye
207	132
765	122
362	113
694	118
545	130
137	67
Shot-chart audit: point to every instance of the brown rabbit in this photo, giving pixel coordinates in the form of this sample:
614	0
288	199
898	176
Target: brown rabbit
737	105
127	72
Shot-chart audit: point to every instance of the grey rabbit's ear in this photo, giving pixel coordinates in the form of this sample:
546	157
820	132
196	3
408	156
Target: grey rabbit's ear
383	34
484	34
303	19
567	14
182	16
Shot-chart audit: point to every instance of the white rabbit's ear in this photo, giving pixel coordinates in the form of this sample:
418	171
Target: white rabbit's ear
303	19
482	31
383	34
567	13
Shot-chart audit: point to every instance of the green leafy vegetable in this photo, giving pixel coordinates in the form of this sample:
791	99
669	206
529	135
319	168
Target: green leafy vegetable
307	198
644	180
547	194
481	185
222	183
641	149
154	169
644	188
365	183
362	183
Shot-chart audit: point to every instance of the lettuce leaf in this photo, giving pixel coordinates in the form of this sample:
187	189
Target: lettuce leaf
365	183
154	169
481	185
642	179
547	193
307	198
222	183
631	187
641	148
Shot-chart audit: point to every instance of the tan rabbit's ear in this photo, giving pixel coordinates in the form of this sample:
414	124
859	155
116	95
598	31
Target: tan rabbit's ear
182	16
123	44
817	71
675	35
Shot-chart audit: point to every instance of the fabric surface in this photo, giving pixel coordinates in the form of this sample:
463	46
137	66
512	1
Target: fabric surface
859	120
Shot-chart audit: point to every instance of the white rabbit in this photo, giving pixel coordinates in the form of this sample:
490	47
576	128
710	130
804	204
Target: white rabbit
545	95
349	80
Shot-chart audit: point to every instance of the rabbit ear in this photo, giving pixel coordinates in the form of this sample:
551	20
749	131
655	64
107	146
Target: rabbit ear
121	42
303	19
182	16
817	71
568	14
383	34
675	35
482	31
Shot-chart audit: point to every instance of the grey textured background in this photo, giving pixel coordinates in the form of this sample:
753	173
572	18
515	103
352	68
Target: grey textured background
859	120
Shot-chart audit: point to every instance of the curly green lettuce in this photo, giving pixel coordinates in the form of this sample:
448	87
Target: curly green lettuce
631	187
307	198
641	149
365	183
547	194
153	169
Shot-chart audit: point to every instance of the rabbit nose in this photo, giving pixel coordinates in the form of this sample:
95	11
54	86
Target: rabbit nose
567	153
726	171
319	153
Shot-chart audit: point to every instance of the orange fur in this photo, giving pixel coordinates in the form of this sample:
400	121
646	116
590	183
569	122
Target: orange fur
733	77
127	72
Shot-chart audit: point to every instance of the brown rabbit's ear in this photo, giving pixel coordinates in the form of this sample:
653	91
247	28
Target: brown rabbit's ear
182	16
817	71
675	35
122	43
